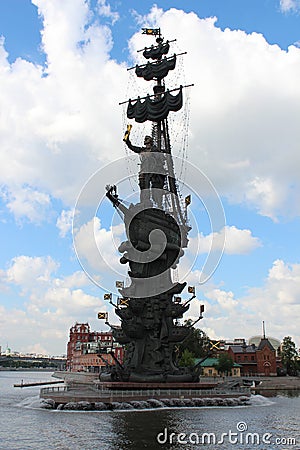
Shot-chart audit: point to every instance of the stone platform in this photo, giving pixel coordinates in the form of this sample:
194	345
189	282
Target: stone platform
129	386
111	394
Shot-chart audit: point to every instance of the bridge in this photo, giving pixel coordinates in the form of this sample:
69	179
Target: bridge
31	361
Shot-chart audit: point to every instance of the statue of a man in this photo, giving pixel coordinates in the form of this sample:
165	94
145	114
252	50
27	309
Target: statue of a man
151	175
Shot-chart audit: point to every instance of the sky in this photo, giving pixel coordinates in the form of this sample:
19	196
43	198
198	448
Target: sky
63	72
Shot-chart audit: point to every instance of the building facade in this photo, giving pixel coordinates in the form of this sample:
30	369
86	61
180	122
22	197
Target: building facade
255	361
208	368
266	359
245	356
91	351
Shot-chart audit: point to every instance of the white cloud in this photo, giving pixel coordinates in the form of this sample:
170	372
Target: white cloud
97	251
60	122
244	109
281	271
105	10
225	299
234	241
266	195
289	5
25	202
37	349
28	272
76	279
239	242
64	222
53	304
276	302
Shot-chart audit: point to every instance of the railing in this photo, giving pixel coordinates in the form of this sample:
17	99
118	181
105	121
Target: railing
176	393
54	389
149	393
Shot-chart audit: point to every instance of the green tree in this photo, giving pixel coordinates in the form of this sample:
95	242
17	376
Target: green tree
197	342
225	363
289	355
187	359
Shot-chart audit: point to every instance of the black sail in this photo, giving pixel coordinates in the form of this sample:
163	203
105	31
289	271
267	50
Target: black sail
156	52
154	109
158	70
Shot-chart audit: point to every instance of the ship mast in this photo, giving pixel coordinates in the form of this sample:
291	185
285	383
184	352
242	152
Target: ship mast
156	108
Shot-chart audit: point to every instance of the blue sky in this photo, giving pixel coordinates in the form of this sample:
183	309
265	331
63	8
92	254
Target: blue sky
21	25
63	72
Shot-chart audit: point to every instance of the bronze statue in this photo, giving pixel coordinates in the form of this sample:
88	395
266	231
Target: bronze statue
151	174
156	236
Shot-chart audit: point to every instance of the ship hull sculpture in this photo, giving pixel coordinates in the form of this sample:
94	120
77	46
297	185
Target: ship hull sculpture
149	309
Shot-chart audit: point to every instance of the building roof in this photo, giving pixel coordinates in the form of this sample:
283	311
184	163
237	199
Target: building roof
256	340
243	348
211	362
265	342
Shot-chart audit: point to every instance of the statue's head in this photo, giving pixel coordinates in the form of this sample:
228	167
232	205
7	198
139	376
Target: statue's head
148	140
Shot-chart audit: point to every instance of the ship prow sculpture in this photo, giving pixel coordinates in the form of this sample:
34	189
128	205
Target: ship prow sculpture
157	232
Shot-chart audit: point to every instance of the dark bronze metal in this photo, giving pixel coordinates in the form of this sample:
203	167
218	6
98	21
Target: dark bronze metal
156	237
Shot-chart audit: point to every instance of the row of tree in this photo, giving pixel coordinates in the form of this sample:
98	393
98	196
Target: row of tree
9	362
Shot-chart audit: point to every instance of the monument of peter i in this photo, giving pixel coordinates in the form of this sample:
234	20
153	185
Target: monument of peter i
157	228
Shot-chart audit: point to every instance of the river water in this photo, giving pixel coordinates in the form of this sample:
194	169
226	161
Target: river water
269	423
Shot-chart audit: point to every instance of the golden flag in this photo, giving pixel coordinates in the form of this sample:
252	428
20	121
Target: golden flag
102	315
191	289
124	301
151	31
188	200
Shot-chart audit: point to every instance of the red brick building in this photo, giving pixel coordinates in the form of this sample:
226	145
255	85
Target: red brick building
85	345
266	359
254	360
245	356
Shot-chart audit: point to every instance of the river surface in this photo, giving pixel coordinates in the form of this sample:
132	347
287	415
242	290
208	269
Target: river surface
269	423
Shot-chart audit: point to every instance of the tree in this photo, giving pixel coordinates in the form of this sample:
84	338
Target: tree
187	359
197	342
225	363
289	355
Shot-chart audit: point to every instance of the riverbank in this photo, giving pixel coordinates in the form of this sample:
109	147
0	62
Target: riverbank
27	369
278	383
